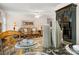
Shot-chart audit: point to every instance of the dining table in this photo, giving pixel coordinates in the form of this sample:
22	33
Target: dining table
26	44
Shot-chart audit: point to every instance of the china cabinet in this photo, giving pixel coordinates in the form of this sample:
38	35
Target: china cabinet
66	18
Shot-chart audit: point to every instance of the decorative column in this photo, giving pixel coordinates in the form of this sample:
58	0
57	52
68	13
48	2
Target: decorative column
46	36
4	21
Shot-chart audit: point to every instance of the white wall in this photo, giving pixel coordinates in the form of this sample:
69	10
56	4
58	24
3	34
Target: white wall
19	17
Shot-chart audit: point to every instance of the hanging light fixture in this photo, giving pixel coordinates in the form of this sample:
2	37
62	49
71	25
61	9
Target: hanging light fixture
37	14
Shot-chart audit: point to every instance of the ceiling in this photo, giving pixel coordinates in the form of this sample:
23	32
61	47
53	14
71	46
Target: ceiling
28	8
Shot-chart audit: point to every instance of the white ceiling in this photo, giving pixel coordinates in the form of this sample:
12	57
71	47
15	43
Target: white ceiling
27	6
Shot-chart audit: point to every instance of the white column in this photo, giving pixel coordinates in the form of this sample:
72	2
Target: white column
54	32
4	25
58	35
46	36
4	21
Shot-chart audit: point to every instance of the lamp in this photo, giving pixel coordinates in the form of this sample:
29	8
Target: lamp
14	26
14	23
34	29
